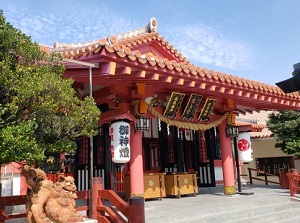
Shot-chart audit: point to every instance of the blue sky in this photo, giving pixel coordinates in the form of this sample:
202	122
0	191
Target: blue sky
253	39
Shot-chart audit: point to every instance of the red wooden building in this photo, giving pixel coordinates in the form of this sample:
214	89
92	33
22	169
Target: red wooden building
140	74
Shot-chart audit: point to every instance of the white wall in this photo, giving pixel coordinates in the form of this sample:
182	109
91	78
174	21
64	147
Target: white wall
218	173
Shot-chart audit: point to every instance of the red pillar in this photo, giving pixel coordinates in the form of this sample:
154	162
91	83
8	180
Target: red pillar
227	161
136	164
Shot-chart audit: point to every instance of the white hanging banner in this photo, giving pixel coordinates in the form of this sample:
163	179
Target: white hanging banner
120	142
244	147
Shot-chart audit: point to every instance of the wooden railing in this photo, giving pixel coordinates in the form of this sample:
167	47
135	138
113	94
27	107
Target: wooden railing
11	201
111	213
105	213
294	184
22	199
265	176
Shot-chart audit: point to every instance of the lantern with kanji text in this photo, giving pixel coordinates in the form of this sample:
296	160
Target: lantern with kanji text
120	142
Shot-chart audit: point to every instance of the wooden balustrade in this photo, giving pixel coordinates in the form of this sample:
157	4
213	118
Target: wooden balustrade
265	176
11	201
294	184
108	212
105	213
22	199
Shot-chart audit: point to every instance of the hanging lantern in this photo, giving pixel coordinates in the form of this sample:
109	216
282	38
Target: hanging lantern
244	147
142	124
232	131
120	142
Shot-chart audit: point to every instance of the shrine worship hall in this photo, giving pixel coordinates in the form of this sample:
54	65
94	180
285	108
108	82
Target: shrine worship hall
164	124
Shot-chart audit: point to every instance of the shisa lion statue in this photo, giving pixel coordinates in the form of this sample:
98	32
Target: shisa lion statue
38	194
60	207
48	202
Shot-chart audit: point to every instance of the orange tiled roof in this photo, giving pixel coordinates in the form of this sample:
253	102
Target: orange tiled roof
258	127
124	45
261	119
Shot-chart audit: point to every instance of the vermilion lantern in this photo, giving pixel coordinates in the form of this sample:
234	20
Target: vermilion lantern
120	142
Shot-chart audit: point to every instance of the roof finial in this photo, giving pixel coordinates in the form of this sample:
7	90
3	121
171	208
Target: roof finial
152	25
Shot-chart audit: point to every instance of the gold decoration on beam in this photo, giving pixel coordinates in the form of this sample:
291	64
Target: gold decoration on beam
173	105
168	79
207	109
187	125
180	81
179	124
191	107
141	74
155	77
127	70
112	68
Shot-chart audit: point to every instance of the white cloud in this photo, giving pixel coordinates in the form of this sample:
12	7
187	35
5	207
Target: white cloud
203	44
73	22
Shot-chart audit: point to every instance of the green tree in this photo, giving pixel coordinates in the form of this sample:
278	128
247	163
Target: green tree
39	110
285	126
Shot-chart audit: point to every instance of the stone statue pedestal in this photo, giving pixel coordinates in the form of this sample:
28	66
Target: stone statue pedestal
24	220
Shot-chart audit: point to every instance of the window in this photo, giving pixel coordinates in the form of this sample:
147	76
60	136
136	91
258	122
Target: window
272	165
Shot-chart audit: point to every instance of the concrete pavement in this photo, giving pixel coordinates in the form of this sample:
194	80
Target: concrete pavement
212	201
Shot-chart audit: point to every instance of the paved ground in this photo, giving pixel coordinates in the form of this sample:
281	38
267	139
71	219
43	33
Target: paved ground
209	198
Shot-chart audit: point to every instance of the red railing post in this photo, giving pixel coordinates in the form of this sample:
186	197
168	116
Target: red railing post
284	181
97	185
291	185
295	179
136	210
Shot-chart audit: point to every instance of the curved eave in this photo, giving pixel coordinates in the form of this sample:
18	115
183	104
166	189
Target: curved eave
178	73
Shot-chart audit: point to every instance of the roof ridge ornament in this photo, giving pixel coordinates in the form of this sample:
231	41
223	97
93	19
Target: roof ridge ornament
151	26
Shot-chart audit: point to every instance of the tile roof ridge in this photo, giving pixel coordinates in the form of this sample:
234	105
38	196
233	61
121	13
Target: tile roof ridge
69	46
45	48
147	29
253	125
122	43
248	120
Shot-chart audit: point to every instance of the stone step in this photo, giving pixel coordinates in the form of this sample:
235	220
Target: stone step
290	219
286	216
266	213
252	208
289	214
